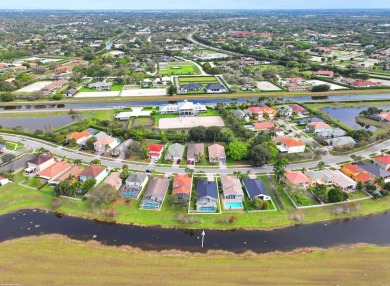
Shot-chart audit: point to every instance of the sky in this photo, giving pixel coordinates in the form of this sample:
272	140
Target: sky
193	4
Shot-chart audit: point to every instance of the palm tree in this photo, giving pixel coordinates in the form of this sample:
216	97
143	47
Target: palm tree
77	162
321	165
237	174
280	168
380	182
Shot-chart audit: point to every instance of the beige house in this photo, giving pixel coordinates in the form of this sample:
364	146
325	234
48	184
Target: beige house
216	153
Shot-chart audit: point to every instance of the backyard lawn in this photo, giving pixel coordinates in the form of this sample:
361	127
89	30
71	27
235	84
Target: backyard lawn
179	68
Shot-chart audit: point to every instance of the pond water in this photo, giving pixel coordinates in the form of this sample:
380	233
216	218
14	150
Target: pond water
371	229
205	101
42	123
347	116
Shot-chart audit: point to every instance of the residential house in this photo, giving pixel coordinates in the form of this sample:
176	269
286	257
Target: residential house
343	181
374	170
317	127
71	92
296	80
63	69
206	196
117	54
294	87
299	109
155	194
291	145
72	174
114	180
100	85
261	111
239	114
190	87
264	126
185	108
216	153
182	186
385	116
135	183
231	188
54	85
3	148
343	142
4	181
215	88
54	170
383	162
318	178
256	188
332	133
305	121
195	151
356	173
39	163
325	73
94	171
155	151
106	144
297	179
284	110
79	137
175	152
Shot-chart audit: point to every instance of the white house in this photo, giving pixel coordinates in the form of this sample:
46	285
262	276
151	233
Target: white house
106	143
291	145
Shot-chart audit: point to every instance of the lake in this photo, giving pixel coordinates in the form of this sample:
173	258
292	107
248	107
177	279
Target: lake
371	229
42	123
347	115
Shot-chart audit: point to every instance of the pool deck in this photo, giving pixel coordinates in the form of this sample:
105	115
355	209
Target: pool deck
232	201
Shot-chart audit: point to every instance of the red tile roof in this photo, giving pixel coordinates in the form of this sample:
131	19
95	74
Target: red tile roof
78	135
55	170
264	125
93	171
384	159
363	177
296	178
291	142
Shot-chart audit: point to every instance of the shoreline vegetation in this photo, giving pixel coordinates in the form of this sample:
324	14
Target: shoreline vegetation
197	97
361	263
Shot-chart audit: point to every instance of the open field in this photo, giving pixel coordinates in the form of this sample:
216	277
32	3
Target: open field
267	86
36	86
143	92
56	260
178	68
189	122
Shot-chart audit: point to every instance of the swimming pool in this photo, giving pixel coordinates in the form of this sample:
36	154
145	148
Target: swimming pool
233	205
207	209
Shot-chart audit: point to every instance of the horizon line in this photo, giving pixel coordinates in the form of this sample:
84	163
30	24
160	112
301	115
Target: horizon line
189	9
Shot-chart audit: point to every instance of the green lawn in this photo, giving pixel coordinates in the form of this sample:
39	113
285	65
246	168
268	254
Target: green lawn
179	68
14	146
113	88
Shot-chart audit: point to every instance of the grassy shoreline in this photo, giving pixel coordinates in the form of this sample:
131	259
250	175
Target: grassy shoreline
361	264
197	97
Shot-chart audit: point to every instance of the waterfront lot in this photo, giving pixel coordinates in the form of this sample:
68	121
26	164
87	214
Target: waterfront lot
189	122
36	86
92	94
203	80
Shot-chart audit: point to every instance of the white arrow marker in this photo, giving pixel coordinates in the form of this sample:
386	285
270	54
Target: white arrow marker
203	234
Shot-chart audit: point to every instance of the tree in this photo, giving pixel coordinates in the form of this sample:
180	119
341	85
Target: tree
77	162
189	171
90	143
8	157
280	168
237	150
102	195
125	173
88	185
258	203
95	161
197	133
259	156
214	133
172	90
57	96
337	195
321	88
321	165
7	96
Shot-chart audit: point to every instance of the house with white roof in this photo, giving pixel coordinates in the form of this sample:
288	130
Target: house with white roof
184	108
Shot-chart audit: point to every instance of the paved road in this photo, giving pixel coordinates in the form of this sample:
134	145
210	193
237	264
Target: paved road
58	150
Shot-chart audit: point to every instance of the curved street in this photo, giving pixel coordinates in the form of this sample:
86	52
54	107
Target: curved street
32	144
